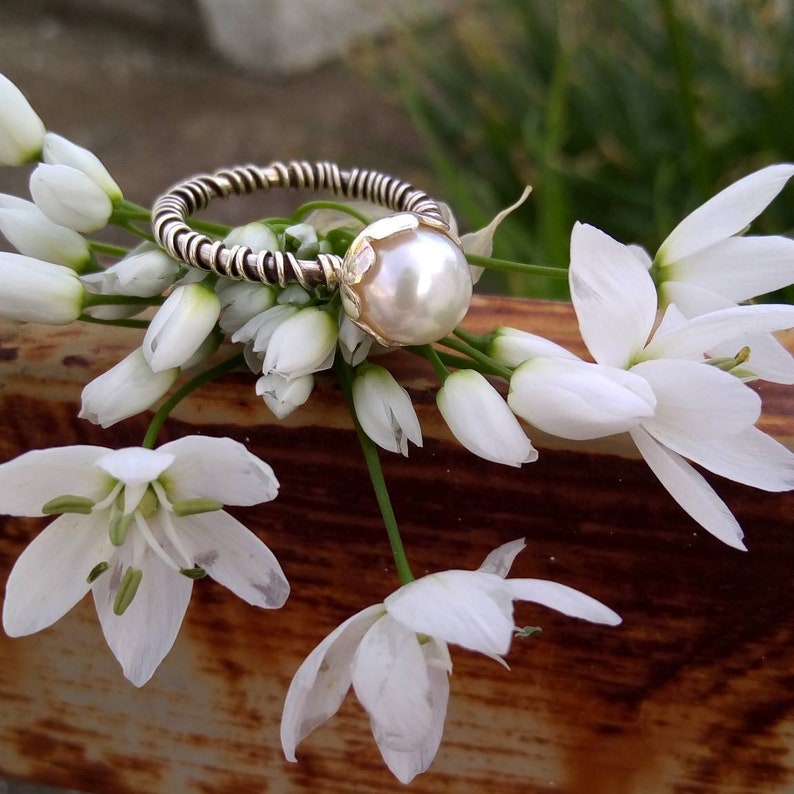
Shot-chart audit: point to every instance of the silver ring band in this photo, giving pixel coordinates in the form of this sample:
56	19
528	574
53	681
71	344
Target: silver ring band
172	232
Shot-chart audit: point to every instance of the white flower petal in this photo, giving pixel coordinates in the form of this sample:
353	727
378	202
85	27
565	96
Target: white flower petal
704	333
283	396
726	214
321	682
613	295
70	197
58	150
135	465
69	471
738	268
406	764
142	637
385	411
696	401
577	399
390	679
301	344
501	559
750	457
690	490
217	468
564	599
479	418
49	577
467	608
233	556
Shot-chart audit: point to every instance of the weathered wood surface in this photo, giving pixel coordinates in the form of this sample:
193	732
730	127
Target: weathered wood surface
692	694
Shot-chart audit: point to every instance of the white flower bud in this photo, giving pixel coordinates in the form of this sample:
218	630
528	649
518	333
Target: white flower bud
21	130
384	410
479	418
125	390
59	151
39	292
511	347
145	272
303	343
70	197
579	400
32	233
257	236
180	326
259	329
241	301
354	343
283	396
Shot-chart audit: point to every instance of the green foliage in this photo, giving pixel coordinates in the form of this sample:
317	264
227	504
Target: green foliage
626	114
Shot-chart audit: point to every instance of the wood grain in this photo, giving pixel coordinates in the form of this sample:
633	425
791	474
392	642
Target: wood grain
692	694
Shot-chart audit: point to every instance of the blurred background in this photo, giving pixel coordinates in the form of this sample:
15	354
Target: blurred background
625	114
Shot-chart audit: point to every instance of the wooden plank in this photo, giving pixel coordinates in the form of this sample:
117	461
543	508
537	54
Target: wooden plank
692	693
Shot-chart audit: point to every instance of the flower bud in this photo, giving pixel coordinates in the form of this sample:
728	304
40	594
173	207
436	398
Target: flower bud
301	344
511	347
59	151
70	197
283	396
384	410
125	390
39	292
32	233
21	130
241	301
180	326
479	418
145	272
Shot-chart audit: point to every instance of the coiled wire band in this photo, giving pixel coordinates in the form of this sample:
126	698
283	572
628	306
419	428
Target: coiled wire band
241	263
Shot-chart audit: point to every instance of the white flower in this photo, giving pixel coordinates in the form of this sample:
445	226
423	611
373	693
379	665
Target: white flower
511	347
60	151
702	413
145	272
125	390
137	526
395	655
21	130
180	326
260	328
479	418
241	301
70	197
32	291
706	263
303	343
282	395
384	409
32	233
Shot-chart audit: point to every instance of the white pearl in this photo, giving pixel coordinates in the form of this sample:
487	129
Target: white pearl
410	287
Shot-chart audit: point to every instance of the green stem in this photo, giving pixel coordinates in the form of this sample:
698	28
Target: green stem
506	266
480	341
370	450
87	318
188	388
310	206
98	247
493	367
126	211
90	299
429	352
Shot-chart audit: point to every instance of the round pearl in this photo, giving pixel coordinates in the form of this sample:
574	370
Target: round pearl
417	289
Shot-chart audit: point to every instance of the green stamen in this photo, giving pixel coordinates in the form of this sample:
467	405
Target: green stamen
728	363
68	503
97	571
192	507
127	590
193	573
119	525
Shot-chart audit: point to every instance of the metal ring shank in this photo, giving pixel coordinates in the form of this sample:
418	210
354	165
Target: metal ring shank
238	262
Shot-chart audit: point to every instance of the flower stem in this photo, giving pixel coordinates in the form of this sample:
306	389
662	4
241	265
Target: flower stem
310	206
125	323
481	358
188	388
505	266
370	450
92	299
99	247
429	353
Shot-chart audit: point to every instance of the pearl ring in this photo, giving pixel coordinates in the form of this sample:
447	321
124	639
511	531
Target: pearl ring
404	278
